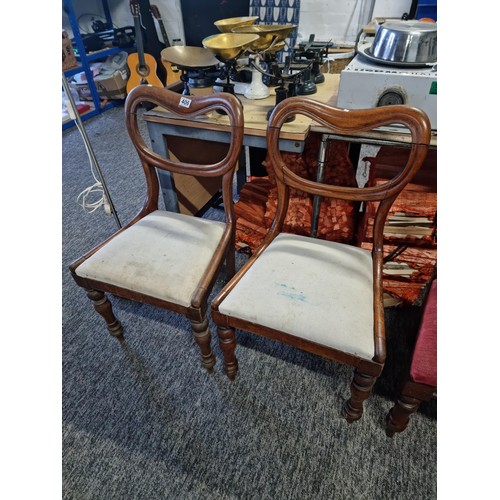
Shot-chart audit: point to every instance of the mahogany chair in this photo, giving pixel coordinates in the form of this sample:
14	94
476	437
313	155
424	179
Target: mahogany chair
422	380
166	259
321	296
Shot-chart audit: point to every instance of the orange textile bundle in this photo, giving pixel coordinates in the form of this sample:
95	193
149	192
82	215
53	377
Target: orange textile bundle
336	218
249	212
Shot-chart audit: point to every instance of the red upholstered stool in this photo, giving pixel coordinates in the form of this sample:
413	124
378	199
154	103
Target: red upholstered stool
422	383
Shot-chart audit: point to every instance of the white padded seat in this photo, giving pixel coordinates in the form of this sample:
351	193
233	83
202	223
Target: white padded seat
324	293
163	256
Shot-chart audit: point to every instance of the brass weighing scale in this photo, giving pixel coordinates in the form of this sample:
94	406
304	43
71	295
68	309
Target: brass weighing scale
219	64
227	47
271	39
199	67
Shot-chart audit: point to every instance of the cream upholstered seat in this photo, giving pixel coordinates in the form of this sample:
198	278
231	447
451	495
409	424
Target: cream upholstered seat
167	259
296	287
163	256
320	296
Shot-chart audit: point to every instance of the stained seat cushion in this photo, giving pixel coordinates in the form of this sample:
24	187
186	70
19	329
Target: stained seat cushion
318	290
424	361
164	255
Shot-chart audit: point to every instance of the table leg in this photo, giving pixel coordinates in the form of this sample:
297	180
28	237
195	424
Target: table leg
159	145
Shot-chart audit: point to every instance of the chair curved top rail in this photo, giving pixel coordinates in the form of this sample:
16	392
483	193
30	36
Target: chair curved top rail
349	122
185	107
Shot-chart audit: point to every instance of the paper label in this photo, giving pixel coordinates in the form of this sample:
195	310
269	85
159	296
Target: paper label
185	102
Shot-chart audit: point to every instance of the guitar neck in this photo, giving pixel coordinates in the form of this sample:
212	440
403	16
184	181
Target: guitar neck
156	14
138	41
163	33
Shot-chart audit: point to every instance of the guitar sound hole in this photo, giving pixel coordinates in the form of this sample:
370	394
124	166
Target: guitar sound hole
142	70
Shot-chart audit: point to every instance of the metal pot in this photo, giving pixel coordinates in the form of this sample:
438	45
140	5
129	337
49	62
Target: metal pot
405	42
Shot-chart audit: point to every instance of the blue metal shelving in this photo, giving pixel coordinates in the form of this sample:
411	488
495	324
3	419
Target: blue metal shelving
85	59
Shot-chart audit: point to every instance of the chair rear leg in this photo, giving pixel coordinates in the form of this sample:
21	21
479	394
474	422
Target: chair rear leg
203	338
227	343
230	262
103	306
361	388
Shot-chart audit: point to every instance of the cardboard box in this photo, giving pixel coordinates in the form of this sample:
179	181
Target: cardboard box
110	78
113	86
193	193
68	54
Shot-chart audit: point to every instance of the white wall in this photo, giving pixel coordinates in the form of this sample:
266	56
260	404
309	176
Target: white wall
336	20
341	20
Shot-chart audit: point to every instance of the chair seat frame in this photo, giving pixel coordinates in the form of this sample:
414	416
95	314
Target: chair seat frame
343	122
185	107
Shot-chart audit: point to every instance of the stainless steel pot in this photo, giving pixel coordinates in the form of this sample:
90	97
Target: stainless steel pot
406	42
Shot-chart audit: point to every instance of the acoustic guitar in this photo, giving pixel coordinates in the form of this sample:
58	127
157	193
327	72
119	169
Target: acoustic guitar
142	66
173	74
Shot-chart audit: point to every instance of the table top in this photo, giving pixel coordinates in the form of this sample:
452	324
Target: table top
255	114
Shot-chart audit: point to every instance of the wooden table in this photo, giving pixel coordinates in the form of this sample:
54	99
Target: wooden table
214	128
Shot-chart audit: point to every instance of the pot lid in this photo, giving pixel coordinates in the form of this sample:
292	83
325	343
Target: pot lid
409	26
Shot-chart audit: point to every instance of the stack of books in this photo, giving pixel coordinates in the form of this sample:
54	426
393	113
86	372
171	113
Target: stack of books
410	242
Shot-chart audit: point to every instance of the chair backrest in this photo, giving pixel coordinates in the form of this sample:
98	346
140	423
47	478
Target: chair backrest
348	123
188	107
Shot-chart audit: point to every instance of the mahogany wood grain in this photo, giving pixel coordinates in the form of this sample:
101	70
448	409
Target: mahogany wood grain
223	169
346	122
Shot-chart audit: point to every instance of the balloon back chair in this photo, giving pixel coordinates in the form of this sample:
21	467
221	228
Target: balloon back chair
324	297
167	259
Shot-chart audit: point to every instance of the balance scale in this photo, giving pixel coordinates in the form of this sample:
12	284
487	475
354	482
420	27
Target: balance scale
256	40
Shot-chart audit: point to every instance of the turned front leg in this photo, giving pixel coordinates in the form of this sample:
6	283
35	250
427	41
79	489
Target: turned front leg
103	306
361	388
203	338
227	343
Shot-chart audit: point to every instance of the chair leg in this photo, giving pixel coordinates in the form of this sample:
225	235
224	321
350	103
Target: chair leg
409	401
227	343
230	263
103	306
399	415
203	338
361	388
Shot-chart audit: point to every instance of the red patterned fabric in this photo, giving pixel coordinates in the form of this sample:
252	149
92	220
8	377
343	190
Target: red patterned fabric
424	363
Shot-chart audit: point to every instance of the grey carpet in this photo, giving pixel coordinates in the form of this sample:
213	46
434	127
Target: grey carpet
143	420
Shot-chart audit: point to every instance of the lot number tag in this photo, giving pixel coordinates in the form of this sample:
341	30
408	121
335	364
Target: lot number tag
185	102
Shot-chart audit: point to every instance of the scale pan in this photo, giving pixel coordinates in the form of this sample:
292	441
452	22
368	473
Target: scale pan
267	33
226	46
226	25
189	57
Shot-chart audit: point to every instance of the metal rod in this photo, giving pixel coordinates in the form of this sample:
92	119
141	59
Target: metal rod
377	142
93	158
320	173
